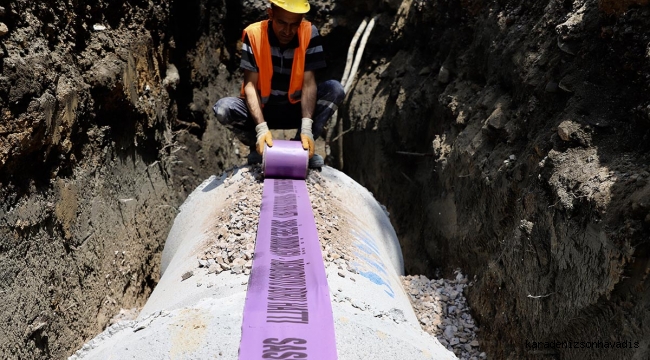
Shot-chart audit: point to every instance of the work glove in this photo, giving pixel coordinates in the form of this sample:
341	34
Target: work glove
263	137
307	137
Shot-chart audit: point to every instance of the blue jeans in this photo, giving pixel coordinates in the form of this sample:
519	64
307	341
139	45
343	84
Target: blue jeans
233	113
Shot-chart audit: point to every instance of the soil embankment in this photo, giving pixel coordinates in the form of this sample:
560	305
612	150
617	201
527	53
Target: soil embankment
100	140
531	122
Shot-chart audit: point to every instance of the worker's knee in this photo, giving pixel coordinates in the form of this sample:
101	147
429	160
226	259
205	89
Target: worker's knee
333	91
222	110
338	92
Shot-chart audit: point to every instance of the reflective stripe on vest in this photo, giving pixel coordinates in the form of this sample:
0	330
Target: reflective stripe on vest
259	40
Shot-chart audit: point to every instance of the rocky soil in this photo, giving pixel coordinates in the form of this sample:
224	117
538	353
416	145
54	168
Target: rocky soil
234	242
442	309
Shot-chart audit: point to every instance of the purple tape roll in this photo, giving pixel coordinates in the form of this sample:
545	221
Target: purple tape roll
285	160
287	313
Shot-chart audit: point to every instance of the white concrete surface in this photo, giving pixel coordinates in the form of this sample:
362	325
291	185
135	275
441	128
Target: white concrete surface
182	320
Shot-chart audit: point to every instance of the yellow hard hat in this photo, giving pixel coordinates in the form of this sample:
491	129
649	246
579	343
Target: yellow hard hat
294	6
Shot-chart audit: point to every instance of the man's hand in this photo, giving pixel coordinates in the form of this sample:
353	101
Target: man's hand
307	137
263	137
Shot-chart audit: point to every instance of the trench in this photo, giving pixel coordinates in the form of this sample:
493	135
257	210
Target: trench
506	139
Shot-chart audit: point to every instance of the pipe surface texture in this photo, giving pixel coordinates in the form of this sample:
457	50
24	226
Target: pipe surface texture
287	313
195	314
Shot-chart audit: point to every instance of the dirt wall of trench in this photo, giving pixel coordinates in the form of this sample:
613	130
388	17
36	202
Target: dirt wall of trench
510	139
104	131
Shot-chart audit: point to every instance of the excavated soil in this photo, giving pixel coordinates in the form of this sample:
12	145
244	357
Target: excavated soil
508	139
99	144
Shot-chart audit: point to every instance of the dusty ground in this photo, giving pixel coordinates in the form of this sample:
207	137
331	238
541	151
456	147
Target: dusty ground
532	120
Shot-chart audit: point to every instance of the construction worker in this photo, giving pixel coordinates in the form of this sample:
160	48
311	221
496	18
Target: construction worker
279	57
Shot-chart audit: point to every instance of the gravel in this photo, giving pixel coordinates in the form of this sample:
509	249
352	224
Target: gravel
442	310
234	239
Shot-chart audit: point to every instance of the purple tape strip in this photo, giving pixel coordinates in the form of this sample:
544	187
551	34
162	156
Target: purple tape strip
287	314
285	160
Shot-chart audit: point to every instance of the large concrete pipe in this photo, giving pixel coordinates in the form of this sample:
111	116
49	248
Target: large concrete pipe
200	317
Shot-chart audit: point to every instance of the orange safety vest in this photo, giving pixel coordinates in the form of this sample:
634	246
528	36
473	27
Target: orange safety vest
259	40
